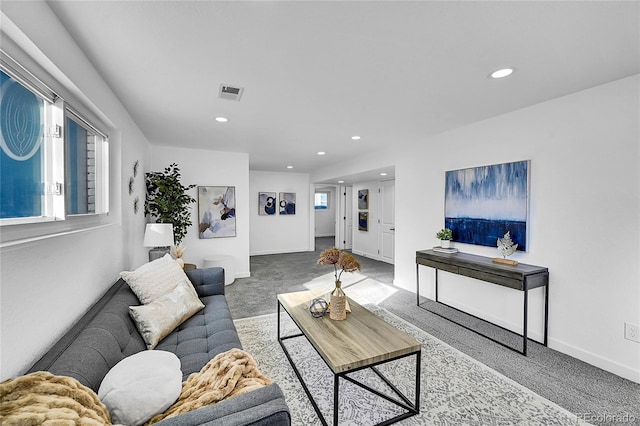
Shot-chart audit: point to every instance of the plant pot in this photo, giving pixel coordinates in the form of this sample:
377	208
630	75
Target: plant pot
445	243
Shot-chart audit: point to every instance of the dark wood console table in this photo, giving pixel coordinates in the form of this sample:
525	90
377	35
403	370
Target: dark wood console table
520	277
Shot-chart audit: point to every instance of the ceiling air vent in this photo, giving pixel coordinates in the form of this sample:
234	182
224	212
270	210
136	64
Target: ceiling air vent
230	92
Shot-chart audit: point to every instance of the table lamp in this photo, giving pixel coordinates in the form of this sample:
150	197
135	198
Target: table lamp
160	237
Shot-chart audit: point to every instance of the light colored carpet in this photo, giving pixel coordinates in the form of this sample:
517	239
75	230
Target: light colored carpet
455	389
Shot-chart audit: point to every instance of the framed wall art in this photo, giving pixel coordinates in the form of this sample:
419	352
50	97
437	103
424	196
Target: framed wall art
287	203
267	203
363	221
363	199
483	203
216	211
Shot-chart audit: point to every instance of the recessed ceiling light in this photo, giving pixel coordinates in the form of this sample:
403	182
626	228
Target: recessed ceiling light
503	72
222	119
355	138
289	167
383	174
321	152
340	181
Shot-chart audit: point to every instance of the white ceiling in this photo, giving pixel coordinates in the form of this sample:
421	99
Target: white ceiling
316	73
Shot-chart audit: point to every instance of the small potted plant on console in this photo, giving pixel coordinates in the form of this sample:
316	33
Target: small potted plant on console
445	236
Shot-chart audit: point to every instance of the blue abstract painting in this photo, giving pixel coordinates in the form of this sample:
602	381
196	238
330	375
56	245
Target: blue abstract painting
483	203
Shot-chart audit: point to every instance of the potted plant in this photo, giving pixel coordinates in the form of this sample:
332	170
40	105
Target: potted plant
167	202
445	235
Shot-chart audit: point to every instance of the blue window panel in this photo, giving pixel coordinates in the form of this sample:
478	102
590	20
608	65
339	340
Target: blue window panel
21	156
76	168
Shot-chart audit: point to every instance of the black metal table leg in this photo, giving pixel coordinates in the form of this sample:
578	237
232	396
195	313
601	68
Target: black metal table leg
278	320
418	284
524	322
546	313
336	384
418	361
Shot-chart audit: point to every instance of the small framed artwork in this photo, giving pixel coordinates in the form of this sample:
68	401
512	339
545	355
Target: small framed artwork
363	221
216	211
267	203
363	199
287	203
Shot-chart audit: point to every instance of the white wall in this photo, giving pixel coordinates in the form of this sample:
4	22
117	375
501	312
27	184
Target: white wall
212	168
280	233
325	220
46	285
584	190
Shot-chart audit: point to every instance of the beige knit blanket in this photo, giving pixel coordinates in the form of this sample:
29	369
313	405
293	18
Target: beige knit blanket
229	374
42	398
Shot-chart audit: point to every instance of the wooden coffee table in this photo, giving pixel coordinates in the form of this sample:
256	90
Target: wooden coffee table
363	340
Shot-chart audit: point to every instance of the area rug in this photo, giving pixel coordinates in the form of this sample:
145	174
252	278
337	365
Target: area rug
455	389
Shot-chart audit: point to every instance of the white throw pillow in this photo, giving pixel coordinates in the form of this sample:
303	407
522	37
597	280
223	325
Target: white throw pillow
141	386
160	317
154	279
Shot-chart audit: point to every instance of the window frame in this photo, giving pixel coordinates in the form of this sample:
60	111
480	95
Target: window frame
54	220
320	207
101	163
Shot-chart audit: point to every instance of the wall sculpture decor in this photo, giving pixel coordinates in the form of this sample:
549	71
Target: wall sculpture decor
483	203
287	203
132	187
216	211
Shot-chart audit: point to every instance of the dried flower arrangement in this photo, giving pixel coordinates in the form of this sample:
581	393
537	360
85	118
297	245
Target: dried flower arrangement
342	262
345	261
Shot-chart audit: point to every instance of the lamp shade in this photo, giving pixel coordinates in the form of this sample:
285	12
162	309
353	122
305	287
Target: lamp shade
158	235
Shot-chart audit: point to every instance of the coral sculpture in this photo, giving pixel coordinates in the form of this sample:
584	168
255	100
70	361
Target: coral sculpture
506	246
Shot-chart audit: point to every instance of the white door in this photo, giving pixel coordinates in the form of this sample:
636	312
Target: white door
387	220
348	217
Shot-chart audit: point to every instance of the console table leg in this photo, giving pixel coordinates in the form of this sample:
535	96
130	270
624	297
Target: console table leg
436	285
546	313
417	284
524	322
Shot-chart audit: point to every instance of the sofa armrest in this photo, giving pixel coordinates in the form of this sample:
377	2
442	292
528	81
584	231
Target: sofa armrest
264	406
208	281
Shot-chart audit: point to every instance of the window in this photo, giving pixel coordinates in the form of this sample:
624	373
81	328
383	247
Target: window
23	123
53	161
84	160
321	201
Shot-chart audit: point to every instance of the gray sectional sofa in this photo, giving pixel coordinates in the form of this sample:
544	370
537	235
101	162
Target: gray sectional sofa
107	334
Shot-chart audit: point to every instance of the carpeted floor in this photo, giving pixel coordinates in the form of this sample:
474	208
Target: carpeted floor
597	396
454	388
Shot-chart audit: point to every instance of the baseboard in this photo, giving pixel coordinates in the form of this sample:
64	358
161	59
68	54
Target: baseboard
596	360
363	254
265	252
